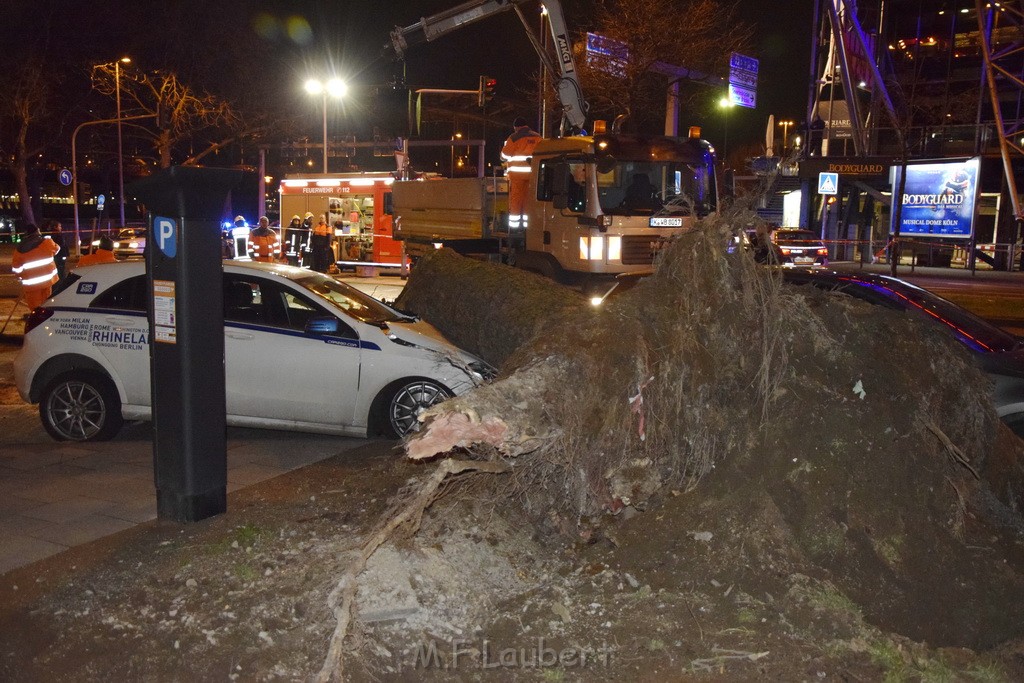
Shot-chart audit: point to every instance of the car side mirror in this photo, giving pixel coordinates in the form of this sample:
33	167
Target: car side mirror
323	324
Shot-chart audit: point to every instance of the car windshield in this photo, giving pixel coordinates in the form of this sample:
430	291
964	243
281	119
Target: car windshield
979	335
360	306
971	330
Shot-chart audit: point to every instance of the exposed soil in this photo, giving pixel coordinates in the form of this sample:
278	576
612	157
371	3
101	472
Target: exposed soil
840	540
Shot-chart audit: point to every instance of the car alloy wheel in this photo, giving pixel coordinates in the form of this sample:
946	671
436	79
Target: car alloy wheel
409	401
80	407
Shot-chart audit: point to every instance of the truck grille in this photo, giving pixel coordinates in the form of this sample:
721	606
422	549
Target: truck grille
639	250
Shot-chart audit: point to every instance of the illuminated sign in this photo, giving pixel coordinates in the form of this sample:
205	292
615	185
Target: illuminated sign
938	198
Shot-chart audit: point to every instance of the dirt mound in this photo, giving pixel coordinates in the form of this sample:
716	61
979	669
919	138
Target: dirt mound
867	435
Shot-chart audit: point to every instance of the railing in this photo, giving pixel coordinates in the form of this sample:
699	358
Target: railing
928	253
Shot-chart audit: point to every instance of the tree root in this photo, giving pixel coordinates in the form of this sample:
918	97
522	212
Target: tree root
341	599
954	452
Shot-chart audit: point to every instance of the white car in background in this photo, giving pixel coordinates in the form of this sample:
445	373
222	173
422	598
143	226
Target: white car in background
303	352
130	242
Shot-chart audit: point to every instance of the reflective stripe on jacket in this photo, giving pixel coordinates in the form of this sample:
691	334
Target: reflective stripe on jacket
264	245
35	267
518	148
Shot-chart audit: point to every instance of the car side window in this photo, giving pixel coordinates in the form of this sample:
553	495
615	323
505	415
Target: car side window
252	300
258	301
127	295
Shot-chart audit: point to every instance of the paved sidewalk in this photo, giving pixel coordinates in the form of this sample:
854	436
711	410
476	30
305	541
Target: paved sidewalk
57	495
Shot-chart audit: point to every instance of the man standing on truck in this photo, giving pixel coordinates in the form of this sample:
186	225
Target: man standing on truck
516	154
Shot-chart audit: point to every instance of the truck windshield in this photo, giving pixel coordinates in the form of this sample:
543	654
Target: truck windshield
657	188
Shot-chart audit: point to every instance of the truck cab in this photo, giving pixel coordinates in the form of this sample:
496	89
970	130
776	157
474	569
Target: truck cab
603	205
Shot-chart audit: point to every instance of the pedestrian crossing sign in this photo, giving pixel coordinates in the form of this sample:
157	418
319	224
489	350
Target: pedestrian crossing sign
828	183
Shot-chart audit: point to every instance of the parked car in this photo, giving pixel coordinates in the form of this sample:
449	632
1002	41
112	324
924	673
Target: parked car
997	352
303	352
130	242
788	247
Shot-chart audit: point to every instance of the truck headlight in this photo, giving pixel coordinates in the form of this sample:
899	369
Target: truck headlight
593	248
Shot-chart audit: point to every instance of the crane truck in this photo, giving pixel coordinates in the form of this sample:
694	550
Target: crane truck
586	222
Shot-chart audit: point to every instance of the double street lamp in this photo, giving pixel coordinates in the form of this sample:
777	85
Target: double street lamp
785	134
335	88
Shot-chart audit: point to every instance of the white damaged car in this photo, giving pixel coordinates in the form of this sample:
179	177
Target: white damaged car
303	352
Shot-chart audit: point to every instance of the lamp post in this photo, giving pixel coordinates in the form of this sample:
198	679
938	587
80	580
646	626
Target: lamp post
785	132
74	158
334	87
726	104
120	148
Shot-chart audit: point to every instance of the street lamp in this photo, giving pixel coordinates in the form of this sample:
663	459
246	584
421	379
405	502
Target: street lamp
334	87
726	104
785	130
120	148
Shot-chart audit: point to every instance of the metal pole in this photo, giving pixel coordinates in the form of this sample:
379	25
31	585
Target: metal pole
120	152
262	183
325	132
74	157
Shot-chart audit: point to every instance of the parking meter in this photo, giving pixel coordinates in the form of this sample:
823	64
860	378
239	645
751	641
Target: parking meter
186	322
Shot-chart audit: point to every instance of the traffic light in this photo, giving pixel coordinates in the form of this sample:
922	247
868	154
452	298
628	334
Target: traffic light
486	91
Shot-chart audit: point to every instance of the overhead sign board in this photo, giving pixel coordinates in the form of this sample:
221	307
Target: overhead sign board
939	198
828	183
607	54
743	80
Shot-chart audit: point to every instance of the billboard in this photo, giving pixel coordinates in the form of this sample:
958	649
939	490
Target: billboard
939	198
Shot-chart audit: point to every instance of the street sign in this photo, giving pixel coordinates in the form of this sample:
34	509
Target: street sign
166	232
828	183
100	200
743	80
65	177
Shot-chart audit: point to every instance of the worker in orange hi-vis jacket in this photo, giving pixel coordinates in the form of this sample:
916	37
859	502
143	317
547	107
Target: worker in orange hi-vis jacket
264	242
104	253
33	263
516	154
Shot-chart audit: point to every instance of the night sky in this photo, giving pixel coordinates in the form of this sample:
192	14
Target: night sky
293	39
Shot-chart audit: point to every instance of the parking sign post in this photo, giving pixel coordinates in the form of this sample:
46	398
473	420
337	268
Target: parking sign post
186	323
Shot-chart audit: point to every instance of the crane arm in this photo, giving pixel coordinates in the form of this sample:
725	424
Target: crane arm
563	70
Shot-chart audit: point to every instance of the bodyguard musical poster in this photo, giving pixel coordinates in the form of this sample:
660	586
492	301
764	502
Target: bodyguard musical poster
939	198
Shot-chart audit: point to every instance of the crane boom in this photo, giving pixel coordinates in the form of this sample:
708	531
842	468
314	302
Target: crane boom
562	69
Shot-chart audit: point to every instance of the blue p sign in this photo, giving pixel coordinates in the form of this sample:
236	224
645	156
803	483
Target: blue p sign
166	232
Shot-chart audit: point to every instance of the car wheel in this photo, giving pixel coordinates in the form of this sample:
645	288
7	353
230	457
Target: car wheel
404	401
80	406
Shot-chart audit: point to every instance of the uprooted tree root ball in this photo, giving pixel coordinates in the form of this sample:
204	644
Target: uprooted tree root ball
864	433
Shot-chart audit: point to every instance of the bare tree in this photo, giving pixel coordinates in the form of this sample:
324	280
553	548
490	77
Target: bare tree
179	113
694	34
28	89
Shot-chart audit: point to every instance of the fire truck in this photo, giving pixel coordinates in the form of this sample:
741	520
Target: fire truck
600	206
355	206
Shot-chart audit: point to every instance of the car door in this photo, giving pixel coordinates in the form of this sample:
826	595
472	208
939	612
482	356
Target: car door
119	330
277	370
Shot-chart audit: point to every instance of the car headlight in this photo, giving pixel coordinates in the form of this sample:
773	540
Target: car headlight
481	368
